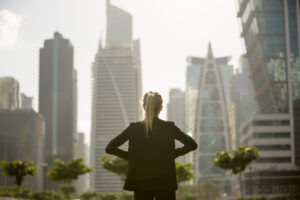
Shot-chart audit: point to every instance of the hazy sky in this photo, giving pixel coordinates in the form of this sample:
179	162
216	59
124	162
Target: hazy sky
169	30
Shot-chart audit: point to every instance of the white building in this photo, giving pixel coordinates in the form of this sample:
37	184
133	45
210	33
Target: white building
116	93
82	184
9	93
270	134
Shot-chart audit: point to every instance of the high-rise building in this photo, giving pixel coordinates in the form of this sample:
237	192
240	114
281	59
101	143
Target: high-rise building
81	152
270	30
242	95
9	93
176	113
57	97
212	120
26	102
193	74
176	107
116	93
22	137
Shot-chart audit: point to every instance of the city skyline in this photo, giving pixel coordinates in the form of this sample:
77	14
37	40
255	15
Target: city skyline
147	26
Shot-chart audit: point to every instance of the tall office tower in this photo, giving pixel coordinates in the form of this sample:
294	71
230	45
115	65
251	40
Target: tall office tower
81	152
212	121
243	96
22	137
193	74
176	113
116	92
9	93
271	31
176	107
271	35
26	102
57	97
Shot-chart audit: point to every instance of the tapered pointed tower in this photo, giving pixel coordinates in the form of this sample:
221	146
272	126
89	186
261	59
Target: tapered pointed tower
212	128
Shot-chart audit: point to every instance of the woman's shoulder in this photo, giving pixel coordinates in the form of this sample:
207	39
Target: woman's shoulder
166	123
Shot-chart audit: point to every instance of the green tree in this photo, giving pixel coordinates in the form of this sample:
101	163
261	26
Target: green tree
108	196
18	169
236	161
67	171
183	172
119	166
89	195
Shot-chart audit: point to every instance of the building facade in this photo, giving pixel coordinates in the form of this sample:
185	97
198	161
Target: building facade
116	93
270	30
82	184
193	74
243	96
22	134
176	107
9	93
57	98
26	102
212	119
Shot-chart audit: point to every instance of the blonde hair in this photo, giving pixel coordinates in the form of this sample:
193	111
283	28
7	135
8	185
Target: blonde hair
152	104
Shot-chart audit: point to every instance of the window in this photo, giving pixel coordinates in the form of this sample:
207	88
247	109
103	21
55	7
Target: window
211	125
210	78
211	94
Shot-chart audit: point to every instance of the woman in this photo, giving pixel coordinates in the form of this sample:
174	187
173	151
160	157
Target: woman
151	153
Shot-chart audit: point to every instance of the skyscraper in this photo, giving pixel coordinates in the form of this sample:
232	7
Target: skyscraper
270	30
22	134
176	107
212	120
243	96
9	93
193	74
57	97
116	92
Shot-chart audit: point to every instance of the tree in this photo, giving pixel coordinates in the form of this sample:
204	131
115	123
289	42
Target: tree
183	172
119	166
18	169
236	161
89	195
67	171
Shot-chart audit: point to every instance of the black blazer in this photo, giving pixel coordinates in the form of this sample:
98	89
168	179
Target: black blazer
151	160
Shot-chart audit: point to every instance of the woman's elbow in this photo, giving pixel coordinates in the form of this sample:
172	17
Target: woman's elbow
108	149
194	146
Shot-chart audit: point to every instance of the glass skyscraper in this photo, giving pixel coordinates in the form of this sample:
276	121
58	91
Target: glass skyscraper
212	118
271	36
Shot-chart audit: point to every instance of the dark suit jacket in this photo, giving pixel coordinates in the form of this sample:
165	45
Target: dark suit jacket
151	160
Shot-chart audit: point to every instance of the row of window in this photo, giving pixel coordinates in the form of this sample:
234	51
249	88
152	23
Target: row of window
281	147
271	122
264	160
272	135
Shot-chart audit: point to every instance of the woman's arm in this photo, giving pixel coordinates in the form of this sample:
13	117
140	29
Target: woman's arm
188	142
113	146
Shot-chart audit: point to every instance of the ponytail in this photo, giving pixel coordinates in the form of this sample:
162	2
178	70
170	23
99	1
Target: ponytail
152	105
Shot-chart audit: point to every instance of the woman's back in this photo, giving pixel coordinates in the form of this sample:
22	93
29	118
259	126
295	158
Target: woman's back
151	152
151	157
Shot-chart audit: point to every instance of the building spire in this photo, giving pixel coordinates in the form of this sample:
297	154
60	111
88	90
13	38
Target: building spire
209	51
